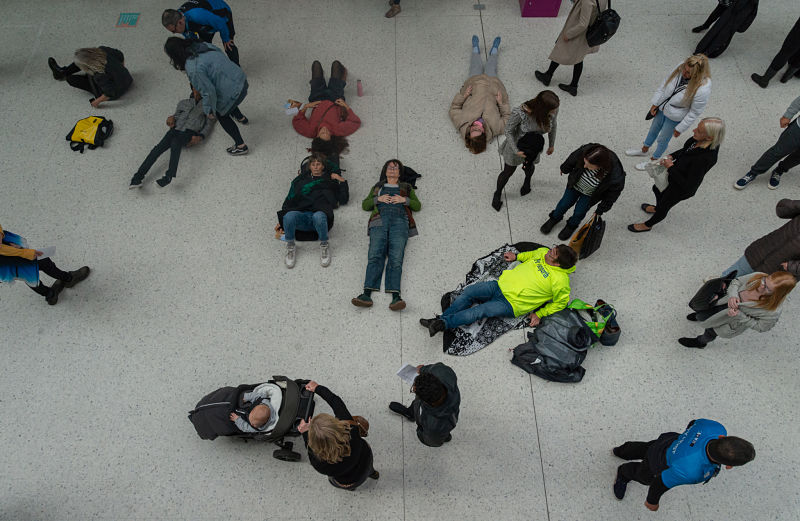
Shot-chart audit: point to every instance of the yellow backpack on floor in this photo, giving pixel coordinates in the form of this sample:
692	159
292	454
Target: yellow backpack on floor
92	131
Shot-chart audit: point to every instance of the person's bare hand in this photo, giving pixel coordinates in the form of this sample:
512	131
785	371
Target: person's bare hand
195	140
651	507
550	151
785	122
468	92
302	426
294	104
229	45
385	199
653	110
785	266
667	162
341	103
420	366
171	121
309	105
535	320
521	154
311	386
675	133
234	416
398	199
211	117
565	38
37	254
510	256
499	97
96	102
337	177
733	306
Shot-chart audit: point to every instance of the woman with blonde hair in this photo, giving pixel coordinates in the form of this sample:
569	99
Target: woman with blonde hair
686	169
754	302
536	116
676	105
105	74
335	447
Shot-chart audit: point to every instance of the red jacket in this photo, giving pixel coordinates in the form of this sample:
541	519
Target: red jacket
327	114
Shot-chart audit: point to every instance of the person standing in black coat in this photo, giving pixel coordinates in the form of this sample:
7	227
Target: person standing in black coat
106	76
686	169
335	447
789	52
731	18
436	406
594	175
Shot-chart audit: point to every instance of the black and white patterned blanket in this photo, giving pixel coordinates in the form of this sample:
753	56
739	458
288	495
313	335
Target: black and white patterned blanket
471	338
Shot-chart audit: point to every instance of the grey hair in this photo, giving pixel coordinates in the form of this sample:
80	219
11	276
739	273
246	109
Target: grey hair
90	60
715	128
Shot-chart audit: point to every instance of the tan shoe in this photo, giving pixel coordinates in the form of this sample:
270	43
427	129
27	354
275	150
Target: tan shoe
393	11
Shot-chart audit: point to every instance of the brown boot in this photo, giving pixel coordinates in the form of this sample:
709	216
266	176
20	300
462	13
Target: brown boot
393	11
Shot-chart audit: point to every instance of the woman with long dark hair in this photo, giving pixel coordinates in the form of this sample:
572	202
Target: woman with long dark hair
222	83
538	115
594	175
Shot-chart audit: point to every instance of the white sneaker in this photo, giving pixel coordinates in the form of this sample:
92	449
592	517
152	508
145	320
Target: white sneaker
290	255
324	254
643	165
636	152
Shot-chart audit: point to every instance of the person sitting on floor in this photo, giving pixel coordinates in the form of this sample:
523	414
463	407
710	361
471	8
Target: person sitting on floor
105	74
542	276
188	126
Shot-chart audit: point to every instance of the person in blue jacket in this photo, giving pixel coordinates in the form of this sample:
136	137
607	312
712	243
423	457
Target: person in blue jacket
200	20
695	456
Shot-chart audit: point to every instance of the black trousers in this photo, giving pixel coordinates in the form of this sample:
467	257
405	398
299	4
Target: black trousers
664	203
790	50
368	469
49	268
789	162
174	141
332	91
80	81
639	471
233	54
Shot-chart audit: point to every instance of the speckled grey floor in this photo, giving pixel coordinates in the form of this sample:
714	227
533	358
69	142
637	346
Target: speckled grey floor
189	293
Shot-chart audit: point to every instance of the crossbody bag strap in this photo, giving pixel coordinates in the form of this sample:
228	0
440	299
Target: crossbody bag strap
678	89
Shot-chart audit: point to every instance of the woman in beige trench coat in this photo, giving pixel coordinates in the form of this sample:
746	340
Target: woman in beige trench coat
571	46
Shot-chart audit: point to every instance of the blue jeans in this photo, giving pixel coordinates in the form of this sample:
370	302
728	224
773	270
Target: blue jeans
306	221
572	197
387	244
661	130
741	266
492	304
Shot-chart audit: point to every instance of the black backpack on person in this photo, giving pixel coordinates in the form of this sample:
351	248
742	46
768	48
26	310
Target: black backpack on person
604	27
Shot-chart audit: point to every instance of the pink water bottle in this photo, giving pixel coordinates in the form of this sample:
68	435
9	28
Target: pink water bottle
359	88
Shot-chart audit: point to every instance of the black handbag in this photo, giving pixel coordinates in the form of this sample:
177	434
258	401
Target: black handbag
594	236
604	27
663	104
710	293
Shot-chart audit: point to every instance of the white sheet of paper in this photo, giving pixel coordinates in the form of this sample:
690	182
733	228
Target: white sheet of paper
47	252
407	373
292	111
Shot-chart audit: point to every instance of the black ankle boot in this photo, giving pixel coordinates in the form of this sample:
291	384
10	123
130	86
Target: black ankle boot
572	89
566	233
699	28
547	227
53	292
76	276
497	201
790	71
58	72
763	80
543	77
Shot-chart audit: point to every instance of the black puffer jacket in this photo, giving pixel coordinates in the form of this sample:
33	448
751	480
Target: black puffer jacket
116	79
607	192
782	245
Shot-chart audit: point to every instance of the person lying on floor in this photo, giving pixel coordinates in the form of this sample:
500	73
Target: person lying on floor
188	126
541	277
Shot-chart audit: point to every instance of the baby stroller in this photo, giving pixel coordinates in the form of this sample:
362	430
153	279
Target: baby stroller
211	415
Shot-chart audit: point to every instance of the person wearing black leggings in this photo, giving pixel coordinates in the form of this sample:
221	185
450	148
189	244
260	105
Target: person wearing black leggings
789	52
17	261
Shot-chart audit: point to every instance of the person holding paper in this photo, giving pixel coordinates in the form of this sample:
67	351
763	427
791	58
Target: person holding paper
435	408
17	261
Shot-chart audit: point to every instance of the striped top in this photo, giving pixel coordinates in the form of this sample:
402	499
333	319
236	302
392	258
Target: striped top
587	182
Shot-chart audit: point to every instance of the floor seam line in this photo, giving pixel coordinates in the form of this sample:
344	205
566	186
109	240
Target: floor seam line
539	444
